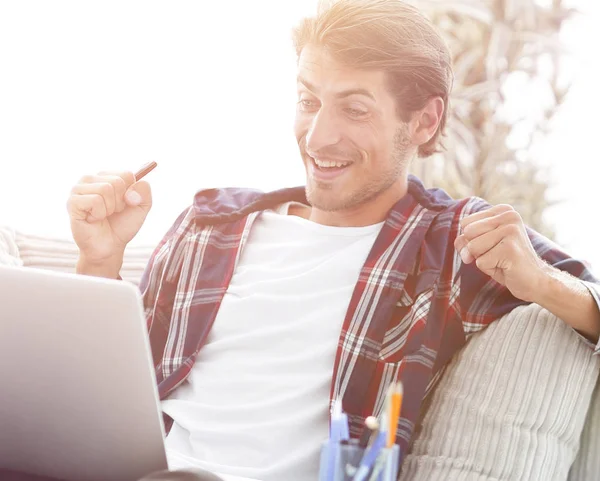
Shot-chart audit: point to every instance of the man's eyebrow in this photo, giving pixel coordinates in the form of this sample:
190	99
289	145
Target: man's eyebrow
340	95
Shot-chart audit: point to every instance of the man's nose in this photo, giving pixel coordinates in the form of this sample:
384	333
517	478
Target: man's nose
324	131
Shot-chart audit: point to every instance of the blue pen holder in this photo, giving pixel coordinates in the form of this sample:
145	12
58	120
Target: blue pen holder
350	454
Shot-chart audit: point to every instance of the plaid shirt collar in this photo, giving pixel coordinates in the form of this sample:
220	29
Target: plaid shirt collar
221	206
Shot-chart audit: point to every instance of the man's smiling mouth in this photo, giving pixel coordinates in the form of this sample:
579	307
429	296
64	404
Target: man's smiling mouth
327	169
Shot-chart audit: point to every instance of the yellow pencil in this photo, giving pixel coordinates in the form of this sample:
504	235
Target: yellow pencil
394	416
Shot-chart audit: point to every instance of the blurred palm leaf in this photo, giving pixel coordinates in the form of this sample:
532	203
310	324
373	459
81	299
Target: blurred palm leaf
492	41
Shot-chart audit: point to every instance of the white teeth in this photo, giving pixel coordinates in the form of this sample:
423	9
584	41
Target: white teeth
326	163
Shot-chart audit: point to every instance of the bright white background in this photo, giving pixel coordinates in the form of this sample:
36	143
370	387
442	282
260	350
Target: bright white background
207	89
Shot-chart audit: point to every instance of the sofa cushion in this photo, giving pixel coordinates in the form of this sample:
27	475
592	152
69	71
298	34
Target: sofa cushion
61	255
510	406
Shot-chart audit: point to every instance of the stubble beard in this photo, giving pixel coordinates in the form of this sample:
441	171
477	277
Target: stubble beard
321	195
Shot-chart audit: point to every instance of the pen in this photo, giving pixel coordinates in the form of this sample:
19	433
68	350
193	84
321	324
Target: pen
369	432
394	414
379	465
145	170
371	425
339	423
370	456
339	431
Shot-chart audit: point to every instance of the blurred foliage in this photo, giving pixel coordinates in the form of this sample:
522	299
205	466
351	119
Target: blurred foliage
494	43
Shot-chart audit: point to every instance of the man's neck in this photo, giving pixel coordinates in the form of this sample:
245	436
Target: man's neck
371	212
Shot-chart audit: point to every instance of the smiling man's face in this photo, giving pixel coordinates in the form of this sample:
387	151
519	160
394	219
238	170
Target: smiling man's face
354	146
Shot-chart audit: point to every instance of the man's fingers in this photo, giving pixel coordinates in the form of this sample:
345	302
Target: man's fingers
481	246
489	264
120	179
484	214
127	176
480	227
483	222
104	190
97	197
486	242
111	187
119	188
88	207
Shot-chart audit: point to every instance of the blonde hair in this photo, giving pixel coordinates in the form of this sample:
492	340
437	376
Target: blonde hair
387	35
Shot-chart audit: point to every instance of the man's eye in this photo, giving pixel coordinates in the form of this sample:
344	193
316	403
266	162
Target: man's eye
356	113
307	104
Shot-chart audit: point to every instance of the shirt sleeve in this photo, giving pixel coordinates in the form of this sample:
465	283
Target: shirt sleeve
483	300
594	288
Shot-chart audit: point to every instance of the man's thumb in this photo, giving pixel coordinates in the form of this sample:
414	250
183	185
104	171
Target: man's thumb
139	194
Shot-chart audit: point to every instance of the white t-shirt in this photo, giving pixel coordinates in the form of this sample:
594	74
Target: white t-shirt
256	402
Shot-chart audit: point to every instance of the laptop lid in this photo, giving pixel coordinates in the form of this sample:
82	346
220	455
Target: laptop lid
79	399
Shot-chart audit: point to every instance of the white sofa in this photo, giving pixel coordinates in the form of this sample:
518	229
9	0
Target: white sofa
521	402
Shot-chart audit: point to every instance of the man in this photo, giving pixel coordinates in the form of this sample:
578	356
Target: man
264	308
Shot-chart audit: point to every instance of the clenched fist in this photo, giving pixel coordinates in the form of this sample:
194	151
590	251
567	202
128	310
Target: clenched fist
496	240
106	211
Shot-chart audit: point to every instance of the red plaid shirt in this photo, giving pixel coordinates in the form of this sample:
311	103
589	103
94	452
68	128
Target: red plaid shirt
414	305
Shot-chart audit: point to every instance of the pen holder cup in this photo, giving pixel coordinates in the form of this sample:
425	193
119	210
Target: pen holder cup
350	455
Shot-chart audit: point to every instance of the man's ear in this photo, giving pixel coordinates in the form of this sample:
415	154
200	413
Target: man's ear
425	122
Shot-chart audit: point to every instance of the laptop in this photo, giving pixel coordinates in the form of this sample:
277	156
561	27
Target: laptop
79	399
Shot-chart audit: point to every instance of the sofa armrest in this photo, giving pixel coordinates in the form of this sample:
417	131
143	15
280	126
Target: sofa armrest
587	463
9	251
61	255
512	405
